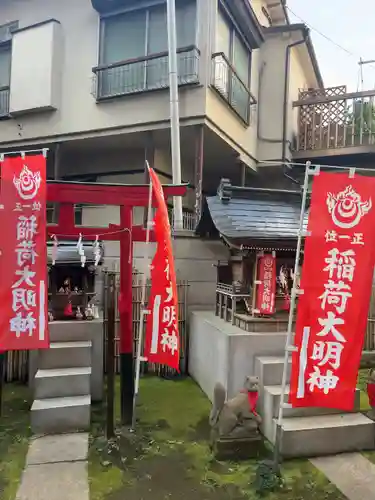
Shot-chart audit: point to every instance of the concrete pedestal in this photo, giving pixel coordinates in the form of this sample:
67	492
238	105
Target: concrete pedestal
222	352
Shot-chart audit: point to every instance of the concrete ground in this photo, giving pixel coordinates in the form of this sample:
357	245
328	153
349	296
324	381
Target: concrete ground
352	473
56	469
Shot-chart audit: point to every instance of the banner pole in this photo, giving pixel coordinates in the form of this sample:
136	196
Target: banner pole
288	344
143	305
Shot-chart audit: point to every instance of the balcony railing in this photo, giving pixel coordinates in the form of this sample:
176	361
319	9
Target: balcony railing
228	84
188	220
144	74
4	102
332	119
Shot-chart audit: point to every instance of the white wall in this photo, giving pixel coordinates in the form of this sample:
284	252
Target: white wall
271	107
194	260
271	97
37	60
79	111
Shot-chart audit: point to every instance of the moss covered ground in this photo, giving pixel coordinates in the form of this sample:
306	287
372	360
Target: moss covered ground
14	438
169	458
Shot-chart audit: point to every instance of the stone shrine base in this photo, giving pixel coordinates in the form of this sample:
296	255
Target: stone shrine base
238	449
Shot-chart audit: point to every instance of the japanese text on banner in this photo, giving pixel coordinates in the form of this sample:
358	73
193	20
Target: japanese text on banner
336	281
266	290
162	343
23	290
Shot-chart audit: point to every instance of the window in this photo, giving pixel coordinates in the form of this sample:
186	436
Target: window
5	58
133	38
232	65
5	62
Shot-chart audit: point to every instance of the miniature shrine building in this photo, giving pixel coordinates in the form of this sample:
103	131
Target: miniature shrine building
254	223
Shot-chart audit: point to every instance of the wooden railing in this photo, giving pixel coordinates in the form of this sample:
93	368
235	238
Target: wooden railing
332	119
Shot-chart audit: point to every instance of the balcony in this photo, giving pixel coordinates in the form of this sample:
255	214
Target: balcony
188	219
333	122
230	87
144	74
4	102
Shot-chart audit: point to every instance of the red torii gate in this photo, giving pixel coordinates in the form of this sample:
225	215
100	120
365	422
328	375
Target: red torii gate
68	194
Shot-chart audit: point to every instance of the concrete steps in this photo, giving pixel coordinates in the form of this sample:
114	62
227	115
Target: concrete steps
62	382
269	369
309	431
66	355
59	415
327	435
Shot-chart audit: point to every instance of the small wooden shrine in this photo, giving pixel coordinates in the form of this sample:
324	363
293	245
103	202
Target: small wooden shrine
260	227
71	289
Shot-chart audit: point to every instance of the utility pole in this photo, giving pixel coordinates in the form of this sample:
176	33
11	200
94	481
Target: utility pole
174	110
370	61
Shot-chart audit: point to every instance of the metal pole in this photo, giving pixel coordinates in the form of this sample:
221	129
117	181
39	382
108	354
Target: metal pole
143	305
174	110
111	326
289	335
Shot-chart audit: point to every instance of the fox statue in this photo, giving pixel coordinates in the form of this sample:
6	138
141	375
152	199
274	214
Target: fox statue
236	417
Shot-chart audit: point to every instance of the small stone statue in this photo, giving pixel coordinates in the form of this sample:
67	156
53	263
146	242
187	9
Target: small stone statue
235	422
237	417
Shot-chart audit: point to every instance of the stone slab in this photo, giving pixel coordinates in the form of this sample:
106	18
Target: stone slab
352	474
238	449
58	448
63	481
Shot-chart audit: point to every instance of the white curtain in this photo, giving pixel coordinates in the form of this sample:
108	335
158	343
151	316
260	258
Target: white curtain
223	43
241	63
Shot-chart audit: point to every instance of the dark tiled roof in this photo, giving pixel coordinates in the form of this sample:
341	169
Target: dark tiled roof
251	215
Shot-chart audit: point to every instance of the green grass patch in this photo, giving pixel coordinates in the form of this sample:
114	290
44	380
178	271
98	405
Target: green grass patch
169	458
362	385
14	438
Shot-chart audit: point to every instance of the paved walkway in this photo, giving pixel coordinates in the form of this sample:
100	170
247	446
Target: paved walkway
352	474
56	469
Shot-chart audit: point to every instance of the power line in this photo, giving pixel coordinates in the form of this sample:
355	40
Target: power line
347	51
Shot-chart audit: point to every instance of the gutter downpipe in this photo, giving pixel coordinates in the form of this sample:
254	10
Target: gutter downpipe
174	110
286	94
285	107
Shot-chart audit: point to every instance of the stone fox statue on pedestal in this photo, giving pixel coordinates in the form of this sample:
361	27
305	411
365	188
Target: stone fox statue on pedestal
237	417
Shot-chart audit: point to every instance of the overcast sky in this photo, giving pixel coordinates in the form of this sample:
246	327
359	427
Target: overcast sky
348	23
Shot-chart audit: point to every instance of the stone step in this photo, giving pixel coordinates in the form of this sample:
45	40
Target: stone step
62	382
326	435
271	399
269	369
59	415
71	331
270	403
66	355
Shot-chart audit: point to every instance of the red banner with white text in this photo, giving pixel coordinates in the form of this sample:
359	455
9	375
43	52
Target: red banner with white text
266	289
336	284
162	342
23	259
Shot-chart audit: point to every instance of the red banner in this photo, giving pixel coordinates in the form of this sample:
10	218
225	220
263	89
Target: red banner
336	284
266	289
23	260
162	343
